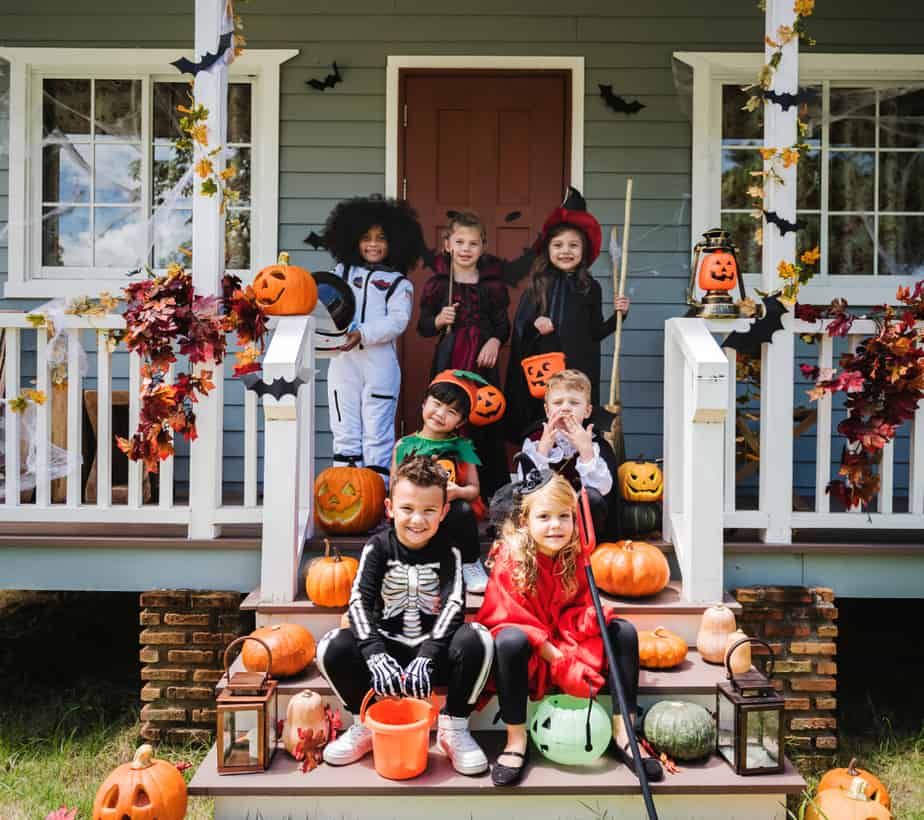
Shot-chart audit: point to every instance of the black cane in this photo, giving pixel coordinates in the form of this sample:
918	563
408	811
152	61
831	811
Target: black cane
588	542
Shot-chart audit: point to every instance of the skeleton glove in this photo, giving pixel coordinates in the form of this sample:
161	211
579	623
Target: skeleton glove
417	678
386	675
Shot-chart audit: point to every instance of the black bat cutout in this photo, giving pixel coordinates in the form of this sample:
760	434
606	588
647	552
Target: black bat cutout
278	389
314	239
784	225
786	99
513	216
186	66
329	81
748	344
450	215
617	103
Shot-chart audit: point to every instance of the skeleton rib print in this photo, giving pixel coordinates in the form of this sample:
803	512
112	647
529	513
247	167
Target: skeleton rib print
408	590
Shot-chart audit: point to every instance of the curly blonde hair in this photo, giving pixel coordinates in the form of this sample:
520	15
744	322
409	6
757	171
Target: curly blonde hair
522	547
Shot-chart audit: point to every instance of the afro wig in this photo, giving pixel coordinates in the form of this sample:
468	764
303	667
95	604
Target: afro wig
353	217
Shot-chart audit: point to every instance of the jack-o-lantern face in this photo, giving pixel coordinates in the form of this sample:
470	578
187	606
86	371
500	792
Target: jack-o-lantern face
285	290
449	467
640	481
145	789
539	369
718	271
490	406
349	500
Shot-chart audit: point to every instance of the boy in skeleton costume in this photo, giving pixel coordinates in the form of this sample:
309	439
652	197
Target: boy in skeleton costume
407	629
375	241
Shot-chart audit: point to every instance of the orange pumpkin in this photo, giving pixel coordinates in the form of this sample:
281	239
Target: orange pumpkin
285	290
348	500
539	369
145	789
630	568
490	406
846	804
449	466
292	647
330	578
661	649
843	778
640	481
718	270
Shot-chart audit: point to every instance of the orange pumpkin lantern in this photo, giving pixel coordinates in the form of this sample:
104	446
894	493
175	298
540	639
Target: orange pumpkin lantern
490	406
285	290
292	647
640	481
145	789
661	649
718	270
349	500
539	369
843	778
330	578
630	568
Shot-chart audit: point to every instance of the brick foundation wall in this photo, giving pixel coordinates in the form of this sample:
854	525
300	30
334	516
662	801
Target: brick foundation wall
183	638
798	622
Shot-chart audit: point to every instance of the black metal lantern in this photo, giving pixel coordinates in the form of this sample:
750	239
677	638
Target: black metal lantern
247	715
749	718
715	272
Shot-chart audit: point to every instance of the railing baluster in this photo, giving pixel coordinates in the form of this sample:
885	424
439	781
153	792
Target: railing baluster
916	468
853	341
886	478
103	421
12	456
42	420
731	432
134	413
823	432
74	419
165	469
250	448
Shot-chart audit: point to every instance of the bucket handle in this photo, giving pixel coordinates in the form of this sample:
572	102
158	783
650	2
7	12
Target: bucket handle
434	712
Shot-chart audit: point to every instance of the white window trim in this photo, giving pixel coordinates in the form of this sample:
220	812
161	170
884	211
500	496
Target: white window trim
710	71
259	65
574	65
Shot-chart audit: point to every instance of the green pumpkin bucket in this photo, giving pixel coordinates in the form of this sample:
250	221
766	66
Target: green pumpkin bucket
571	731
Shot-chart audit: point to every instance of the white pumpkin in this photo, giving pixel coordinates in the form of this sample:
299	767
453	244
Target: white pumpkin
305	711
718	622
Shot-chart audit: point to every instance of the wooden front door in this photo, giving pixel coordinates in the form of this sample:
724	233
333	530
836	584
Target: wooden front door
495	142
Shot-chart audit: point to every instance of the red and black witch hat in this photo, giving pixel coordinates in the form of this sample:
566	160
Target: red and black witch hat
573	211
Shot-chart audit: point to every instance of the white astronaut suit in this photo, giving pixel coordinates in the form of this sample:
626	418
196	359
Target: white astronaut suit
363	383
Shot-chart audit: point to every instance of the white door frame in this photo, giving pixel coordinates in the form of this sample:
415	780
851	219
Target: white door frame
574	65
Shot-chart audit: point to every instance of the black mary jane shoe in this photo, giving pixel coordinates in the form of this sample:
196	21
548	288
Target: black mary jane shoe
654	771
502	775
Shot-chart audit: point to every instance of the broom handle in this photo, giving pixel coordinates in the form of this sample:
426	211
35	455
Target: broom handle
620	289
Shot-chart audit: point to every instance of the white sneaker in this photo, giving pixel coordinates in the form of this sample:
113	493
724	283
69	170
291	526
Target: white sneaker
476	579
354	744
457	743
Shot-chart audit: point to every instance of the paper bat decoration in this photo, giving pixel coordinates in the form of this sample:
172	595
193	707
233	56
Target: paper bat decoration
314	239
329	81
785	226
617	103
278	389
185	66
787	100
748	344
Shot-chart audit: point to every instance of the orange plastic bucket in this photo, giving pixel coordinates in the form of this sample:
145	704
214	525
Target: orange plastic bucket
400	734
539	369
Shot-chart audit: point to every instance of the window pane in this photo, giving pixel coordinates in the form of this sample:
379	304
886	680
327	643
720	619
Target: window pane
809	234
237	240
66	107
743	228
851	181
167	96
901	118
118	109
119	237
239	159
239	102
740	127
901	245
169	167
850	245
808	180
901	181
66	237
810	113
66	173
171	230
117	173
853	117
737	166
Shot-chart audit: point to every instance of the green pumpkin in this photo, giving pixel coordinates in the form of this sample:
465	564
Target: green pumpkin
639	518
559	730
682	730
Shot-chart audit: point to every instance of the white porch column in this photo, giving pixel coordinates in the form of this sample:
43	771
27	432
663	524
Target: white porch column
208	265
777	359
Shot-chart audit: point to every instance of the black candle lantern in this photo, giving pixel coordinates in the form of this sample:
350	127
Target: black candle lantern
749	718
247	714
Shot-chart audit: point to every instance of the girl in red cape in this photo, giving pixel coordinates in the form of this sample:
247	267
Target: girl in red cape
539	610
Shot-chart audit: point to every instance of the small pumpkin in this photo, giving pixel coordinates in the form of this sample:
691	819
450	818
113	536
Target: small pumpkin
718	270
639	518
285	290
145	789
846	804
292	647
539	369
565	733
741	657
661	649
681	730
640	481
348	500
449	466
717	623
630	568
490	406
306	712
843	778
330	578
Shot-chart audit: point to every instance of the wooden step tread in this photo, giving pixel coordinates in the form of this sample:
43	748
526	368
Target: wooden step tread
355	543
607	776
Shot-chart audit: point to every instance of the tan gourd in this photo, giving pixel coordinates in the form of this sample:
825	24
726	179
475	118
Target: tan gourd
718	622
305	712
741	657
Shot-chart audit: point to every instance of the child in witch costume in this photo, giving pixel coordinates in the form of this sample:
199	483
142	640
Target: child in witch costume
447	405
560	310
375	241
407	630
539	609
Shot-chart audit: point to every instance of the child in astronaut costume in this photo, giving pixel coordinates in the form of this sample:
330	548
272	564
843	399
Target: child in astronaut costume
375	242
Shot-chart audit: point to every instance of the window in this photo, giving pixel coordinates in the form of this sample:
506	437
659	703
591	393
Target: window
108	191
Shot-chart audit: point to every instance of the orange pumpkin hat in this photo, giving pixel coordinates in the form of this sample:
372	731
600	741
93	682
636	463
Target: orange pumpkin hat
468	381
573	211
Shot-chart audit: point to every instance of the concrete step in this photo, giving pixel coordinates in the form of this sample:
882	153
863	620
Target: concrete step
708	789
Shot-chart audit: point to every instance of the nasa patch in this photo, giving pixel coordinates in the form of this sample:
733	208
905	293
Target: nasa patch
381	284
358	282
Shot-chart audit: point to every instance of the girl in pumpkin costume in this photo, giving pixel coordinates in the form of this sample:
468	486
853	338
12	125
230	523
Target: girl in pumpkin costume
539	609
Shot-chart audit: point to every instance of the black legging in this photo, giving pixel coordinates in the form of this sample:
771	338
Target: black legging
464	667
511	668
461	523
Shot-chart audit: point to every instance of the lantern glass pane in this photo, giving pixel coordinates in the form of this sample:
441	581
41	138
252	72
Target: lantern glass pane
241	737
762	728
726	729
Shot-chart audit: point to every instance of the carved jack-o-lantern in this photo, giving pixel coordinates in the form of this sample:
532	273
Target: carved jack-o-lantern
718	271
349	500
285	290
490	406
640	481
539	369
449	466
145	789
